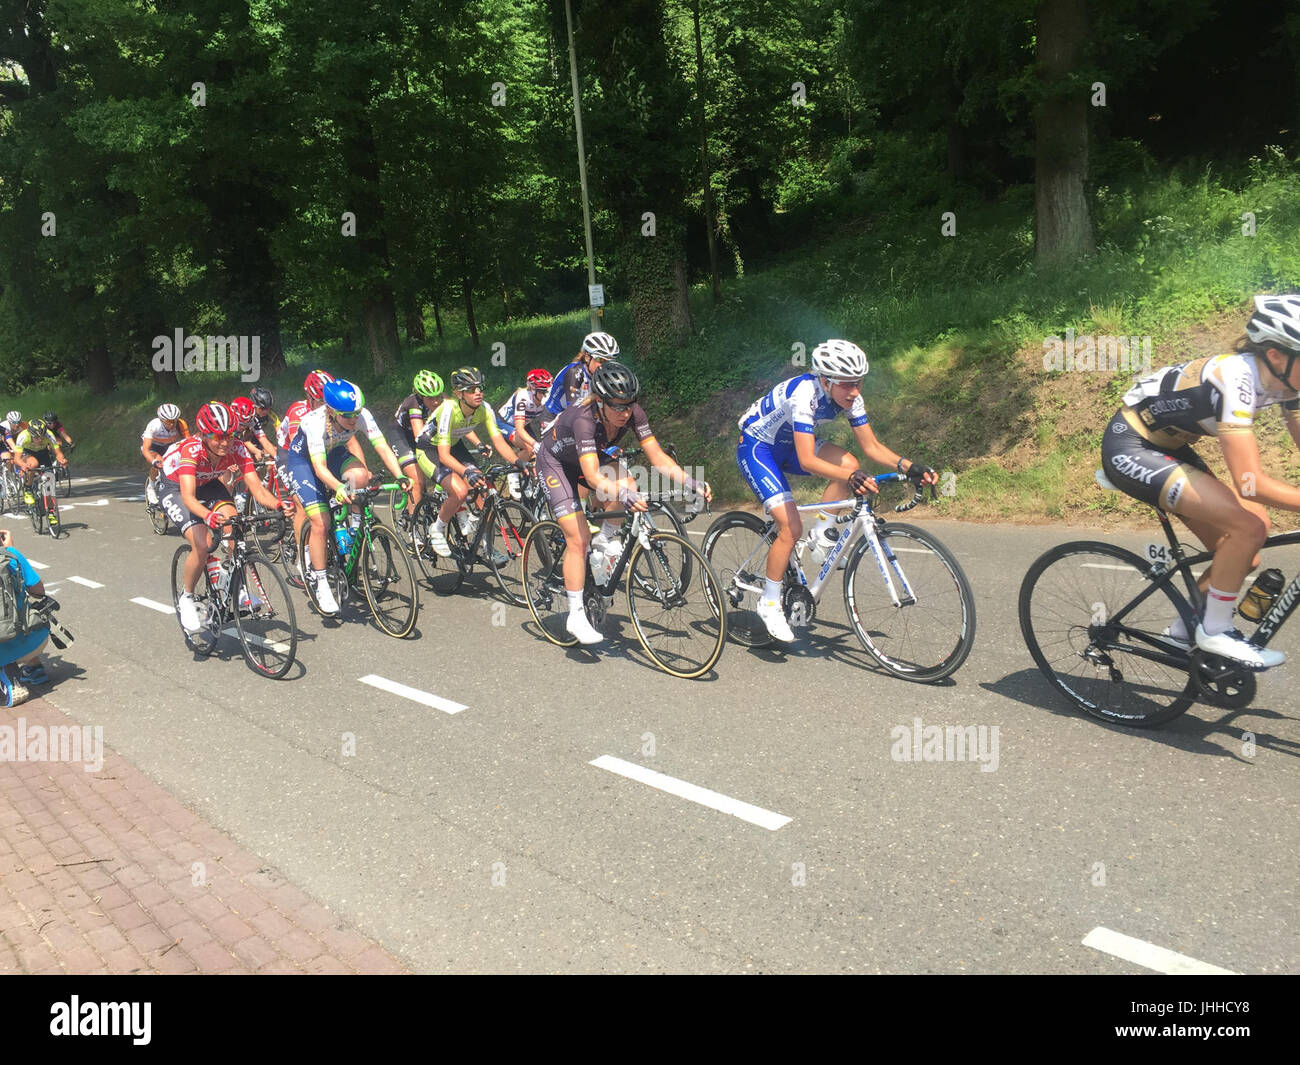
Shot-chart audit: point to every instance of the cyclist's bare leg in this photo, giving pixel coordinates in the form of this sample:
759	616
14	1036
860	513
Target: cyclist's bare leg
1232	527
838	488
577	538
201	539
789	527
456	491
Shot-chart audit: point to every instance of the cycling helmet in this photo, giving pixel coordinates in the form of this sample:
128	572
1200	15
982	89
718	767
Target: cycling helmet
13	417
466	377
315	383
50	416
215	417
343	397
616	382
539	379
600	345
427	383
262	397
36	427
169	412
839	360
1276	324
243	408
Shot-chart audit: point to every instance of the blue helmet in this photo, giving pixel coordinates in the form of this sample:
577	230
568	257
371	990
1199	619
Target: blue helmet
343	397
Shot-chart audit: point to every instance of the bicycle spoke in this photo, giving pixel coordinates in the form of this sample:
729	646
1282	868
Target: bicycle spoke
682	624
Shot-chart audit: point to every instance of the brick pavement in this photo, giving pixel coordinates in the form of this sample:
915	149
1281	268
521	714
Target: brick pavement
107	873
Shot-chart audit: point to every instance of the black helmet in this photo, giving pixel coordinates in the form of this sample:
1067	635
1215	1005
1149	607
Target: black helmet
616	382
466	377
50	416
262	397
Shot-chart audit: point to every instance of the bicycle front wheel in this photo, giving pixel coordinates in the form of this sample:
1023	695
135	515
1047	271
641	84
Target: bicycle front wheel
268	539
264	618
681	622
541	568
63	482
928	636
735	547
389	580
204	641
505	536
1120	671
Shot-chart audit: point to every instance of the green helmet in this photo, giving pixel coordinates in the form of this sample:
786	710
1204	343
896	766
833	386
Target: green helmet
427	383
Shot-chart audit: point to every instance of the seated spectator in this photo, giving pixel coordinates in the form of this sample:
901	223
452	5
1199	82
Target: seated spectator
20	665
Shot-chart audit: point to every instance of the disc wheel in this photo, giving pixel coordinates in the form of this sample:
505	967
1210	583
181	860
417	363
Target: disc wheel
389	580
735	547
204	641
264	620
542	572
1120	671
681	623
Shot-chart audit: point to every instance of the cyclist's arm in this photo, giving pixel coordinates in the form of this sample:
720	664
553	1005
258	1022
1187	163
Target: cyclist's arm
189	486
1241	453
385	453
593	474
416	426
660	460
522	434
321	468
805	449
259	490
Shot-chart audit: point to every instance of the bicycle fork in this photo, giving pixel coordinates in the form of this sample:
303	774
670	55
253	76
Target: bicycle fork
882	551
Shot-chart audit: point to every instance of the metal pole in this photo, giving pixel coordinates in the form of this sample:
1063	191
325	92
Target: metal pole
582	162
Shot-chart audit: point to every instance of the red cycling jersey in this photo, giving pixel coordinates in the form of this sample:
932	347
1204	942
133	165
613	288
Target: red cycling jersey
289	426
190	456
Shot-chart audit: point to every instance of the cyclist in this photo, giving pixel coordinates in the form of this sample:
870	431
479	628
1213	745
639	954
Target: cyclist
568	457
41	448
442	453
12	425
57	428
193	496
777	437
313	387
409	420
166	429
1146	452
325	458
573	383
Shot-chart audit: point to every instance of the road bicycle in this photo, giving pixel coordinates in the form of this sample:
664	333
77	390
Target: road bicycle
914	615
63	480
44	511
270	539
488	530
154	508
251	596
11	485
1094	616
673	598
368	553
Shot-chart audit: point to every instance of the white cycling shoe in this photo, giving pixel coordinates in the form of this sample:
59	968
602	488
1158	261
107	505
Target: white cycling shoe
773	617
1181	642
1232	644
580	627
325	597
438	541
188	608
250	602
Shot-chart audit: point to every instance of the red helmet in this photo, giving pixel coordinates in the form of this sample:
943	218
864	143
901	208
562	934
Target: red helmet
243	408
315	384
215	418
539	378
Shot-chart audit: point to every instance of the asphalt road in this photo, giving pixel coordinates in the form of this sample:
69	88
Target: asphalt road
485	840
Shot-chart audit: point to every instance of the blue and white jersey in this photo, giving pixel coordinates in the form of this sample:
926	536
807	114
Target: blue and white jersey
798	405
567	388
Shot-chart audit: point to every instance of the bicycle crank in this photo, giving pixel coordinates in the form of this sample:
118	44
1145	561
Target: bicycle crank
800	606
1221	682
596	606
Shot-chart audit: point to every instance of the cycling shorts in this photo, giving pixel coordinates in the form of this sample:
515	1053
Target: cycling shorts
765	465
402	441
1141	469
507	428
303	482
427	456
158	449
182	517
560	483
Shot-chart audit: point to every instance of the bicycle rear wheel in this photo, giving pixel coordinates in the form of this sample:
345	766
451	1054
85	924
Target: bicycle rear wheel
205	640
36	511
63	481
929	636
389	580
1122	672
734	546
445	575
542	570
268	630
510	524
333	570
268	539
681	623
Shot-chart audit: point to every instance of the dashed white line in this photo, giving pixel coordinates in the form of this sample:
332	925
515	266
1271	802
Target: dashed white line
162	608
755	815
1149	956
274	645
37	565
82	580
414	694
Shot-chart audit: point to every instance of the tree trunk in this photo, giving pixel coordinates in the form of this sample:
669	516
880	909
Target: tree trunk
437	319
99	369
1063	231
702	90
414	323
467	287
656	278
381	329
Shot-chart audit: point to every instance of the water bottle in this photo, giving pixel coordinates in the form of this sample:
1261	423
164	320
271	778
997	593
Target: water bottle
1259	599
467	523
218	575
354	522
343	539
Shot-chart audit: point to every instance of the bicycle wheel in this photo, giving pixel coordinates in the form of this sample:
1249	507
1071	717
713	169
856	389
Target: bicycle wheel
268	630
52	514
36	511
668	520
158	517
389	580
510	524
333	570
267	538
930	634
734	545
205	640
542	570
682	624
63	481
445	575
1122	672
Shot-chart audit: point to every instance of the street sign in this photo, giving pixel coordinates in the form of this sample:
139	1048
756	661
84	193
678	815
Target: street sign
596	295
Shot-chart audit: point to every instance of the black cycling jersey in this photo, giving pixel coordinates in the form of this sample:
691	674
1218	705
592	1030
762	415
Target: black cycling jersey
577	431
413	405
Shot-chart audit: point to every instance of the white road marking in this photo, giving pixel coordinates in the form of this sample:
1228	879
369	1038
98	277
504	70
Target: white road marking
88	584
1102	565
162	608
128	499
414	694
274	645
37	565
1149	956
755	815
96	503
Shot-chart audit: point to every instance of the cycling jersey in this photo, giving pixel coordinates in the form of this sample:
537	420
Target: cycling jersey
413	406
268	427
10	431
521	405
578	432
191	457
289	424
798	405
318	434
1205	397
34	445
448	424
160	434
55	427
571	385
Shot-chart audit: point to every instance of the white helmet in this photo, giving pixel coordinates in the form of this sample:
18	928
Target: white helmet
169	412
13	417
1276	322
839	359
601	345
